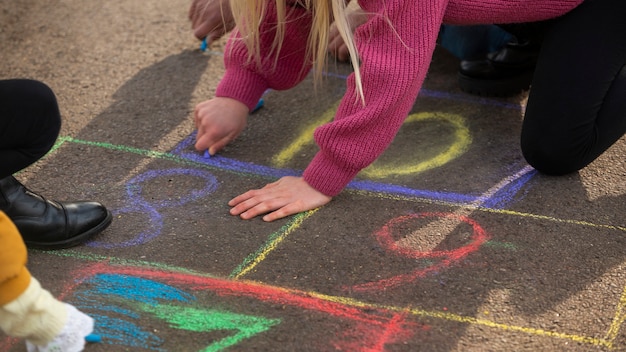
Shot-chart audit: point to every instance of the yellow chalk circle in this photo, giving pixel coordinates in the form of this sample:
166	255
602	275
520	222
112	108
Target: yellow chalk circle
305	138
462	140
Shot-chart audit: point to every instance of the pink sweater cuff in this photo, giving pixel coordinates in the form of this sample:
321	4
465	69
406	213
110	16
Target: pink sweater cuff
242	85
326	176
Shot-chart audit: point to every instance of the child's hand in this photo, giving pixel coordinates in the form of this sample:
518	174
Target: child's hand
287	196
210	18
219	121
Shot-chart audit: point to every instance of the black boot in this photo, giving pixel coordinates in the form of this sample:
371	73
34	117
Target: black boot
47	224
503	73
510	70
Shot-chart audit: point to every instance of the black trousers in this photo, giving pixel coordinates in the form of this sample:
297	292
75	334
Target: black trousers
29	123
577	102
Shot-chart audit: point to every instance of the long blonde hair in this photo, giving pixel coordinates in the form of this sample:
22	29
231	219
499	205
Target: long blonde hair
249	14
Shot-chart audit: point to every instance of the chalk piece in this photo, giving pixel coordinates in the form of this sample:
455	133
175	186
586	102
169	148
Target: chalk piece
93	338
206	154
203	45
259	105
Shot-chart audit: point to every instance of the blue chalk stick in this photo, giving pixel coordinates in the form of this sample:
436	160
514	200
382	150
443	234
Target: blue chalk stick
203	45
259	105
93	338
206	154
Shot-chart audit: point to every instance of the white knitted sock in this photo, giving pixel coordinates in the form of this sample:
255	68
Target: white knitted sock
71	338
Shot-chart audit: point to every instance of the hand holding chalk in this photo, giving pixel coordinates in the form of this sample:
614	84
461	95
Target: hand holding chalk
259	105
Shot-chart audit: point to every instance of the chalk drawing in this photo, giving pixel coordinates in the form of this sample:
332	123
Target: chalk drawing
383	324
378	320
136	291
272	243
271	173
446	258
460	144
435	231
134	295
462	140
304	138
204	320
138	204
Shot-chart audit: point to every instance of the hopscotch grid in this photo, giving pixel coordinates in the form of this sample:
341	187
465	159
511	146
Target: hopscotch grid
250	263
276	238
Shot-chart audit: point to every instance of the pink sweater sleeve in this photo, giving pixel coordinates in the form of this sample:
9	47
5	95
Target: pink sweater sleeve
395	47
245	81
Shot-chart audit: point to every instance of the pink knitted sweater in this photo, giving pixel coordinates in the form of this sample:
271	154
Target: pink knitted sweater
395	48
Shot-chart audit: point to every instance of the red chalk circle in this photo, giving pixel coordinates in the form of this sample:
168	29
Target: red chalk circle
446	258
385	238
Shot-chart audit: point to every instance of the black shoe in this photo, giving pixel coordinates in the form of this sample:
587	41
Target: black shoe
47	224
503	73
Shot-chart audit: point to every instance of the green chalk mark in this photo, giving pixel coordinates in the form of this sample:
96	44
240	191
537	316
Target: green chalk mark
497	244
204	320
69	253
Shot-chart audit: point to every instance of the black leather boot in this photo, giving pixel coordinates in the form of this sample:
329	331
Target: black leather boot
48	224
510	70
503	73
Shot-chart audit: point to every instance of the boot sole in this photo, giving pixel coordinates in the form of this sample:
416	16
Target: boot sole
73	241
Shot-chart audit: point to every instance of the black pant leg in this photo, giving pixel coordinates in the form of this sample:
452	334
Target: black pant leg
29	123
577	103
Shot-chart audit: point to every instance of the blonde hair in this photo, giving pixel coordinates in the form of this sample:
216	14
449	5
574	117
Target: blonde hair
249	14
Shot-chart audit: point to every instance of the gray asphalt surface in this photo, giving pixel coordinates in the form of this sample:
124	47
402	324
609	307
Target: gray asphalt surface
450	242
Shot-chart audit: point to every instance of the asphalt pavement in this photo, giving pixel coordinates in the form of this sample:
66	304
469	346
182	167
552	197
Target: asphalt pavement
448	242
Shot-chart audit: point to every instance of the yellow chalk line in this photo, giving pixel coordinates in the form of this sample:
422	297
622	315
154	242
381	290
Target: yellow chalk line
275	240
464	319
305	138
618	319
488	210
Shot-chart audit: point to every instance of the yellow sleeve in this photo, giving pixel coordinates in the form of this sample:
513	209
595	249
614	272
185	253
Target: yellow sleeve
14	277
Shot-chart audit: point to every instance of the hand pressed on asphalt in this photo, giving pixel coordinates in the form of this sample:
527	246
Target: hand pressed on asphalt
287	196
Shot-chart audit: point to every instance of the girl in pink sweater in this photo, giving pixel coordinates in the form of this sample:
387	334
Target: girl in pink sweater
277	42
